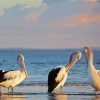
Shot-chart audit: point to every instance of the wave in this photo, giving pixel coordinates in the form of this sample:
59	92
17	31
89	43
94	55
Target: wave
45	84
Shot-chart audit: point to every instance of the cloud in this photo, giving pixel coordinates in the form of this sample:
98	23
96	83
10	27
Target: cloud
6	4
32	17
91	1
35	14
85	19
76	21
54	1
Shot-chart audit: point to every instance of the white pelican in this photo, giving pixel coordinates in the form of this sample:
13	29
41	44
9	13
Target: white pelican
58	76
93	74
11	78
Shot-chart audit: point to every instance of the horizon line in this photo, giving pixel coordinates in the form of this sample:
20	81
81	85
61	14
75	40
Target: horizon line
19	48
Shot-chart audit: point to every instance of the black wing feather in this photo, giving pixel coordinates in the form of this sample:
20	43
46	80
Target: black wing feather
2	73
51	79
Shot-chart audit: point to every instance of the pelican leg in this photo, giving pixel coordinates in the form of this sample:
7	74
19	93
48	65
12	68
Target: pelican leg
95	92
10	90
61	88
0	90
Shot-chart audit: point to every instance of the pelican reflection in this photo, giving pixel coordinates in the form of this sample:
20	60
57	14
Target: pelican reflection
58	97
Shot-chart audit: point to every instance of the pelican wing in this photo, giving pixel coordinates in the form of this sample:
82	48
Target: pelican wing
51	79
60	74
54	78
8	75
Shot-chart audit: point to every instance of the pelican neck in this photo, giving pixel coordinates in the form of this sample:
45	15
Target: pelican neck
90	59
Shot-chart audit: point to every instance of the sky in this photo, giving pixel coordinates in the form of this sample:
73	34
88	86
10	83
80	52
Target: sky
51	24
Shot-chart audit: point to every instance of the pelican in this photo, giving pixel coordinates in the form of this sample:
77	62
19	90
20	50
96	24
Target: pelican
11	78
93	74
58	75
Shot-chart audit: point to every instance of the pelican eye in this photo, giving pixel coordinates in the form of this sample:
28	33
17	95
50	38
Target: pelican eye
77	57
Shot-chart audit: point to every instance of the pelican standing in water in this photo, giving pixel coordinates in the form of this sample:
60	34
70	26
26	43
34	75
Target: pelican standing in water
11	78
57	76
93	74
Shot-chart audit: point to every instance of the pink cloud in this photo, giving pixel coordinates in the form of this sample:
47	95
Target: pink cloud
85	19
32	17
91	1
75	21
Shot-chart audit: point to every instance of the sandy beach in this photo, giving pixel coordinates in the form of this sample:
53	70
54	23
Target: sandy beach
40	93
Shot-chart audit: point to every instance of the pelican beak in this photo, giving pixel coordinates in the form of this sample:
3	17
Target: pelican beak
70	65
24	68
86	56
68	68
26	73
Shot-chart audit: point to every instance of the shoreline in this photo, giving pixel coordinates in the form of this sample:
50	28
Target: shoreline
40	93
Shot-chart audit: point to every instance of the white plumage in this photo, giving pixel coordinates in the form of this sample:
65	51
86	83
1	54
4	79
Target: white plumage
61	73
11	78
57	76
93	74
61	77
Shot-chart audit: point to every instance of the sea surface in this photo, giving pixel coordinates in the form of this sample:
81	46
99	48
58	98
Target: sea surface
40	62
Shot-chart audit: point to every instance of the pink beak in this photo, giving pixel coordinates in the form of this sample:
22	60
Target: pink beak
86	56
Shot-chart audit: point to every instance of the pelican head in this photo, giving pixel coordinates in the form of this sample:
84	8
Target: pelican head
75	56
73	59
20	59
86	50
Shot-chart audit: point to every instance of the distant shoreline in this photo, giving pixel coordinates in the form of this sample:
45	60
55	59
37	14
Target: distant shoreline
47	49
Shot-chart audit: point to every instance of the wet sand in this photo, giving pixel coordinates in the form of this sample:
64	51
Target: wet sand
71	92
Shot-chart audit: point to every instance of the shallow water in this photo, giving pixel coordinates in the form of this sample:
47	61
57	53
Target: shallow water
40	62
38	92
53	97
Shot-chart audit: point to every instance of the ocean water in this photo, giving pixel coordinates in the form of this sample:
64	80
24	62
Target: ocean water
40	62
